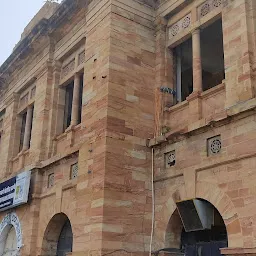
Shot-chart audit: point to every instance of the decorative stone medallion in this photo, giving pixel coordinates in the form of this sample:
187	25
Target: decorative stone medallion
12	219
179	26
174	30
170	159
209	6
205	9
214	145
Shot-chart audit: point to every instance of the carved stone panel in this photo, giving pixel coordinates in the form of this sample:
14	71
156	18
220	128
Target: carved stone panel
170	159
81	58
24	100
180	26
214	145
209	6
68	68
33	92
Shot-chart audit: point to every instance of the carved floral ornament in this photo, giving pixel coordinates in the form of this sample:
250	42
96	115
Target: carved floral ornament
179	26
11	219
209	6
68	68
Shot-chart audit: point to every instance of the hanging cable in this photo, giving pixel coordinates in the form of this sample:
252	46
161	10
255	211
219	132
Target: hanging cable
153	203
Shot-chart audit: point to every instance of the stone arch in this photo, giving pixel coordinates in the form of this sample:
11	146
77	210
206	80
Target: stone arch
54	232
213	194
10	230
173	231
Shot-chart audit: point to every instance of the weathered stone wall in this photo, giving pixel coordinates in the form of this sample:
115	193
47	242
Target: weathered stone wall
127	59
227	179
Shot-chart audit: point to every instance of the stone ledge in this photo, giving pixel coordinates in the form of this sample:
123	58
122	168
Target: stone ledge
238	251
242	107
246	106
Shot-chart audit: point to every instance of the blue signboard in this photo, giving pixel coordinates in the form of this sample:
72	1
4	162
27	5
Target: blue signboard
14	191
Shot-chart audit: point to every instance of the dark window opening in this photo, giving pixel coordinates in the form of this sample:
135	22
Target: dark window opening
68	105
212	55
23	127
184	70
31	125
22	130
80	98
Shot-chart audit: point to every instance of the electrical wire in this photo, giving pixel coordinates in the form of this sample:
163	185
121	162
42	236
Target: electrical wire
153	203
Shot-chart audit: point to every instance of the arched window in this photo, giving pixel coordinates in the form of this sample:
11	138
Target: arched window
58	237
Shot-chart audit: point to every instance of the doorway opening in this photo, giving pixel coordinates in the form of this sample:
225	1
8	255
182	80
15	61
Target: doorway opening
58	237
8	242
197	229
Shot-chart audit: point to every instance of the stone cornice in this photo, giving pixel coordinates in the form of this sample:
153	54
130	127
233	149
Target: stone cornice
44	27
23	46
237	111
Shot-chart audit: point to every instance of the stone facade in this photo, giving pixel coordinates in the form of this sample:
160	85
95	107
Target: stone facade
124	49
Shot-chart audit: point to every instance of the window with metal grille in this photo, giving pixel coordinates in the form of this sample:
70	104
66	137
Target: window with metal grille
51	179
74	171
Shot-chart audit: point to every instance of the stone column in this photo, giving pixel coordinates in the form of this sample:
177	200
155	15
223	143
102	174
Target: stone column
162	74
27	133
197	63
75	101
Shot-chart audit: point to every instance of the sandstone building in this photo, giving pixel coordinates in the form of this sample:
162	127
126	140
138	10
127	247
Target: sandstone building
98	97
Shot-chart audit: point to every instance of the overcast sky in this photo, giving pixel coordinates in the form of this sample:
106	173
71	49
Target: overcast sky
15	15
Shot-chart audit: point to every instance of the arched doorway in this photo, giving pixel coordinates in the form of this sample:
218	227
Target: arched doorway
65	242
185	233
58	237
10	235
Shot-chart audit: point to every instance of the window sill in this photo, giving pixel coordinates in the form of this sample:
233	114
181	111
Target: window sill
213	90
21	153
177	106
67	131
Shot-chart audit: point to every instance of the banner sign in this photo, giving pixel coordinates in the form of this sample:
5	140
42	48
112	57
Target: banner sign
15	191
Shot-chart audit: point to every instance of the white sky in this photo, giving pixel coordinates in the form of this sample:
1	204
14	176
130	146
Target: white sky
15	15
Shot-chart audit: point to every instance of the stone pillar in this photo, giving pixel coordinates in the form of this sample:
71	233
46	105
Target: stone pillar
162	74
27	133
197	63
75	101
